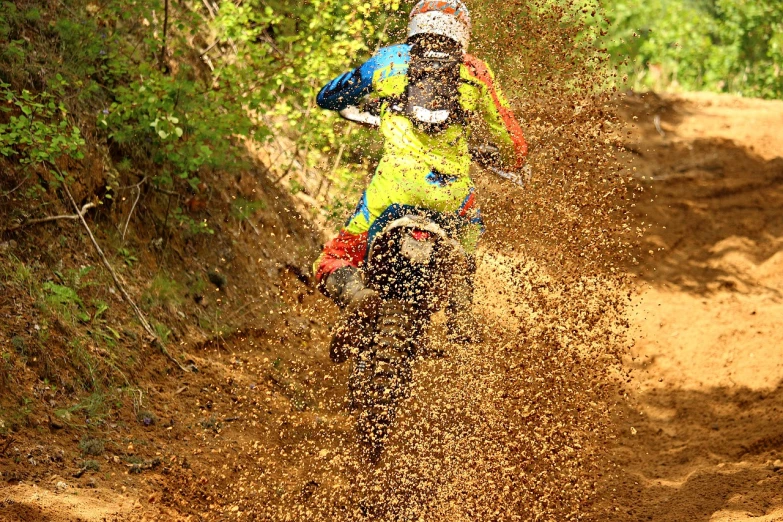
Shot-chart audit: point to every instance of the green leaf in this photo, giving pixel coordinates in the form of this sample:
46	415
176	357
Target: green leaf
100	308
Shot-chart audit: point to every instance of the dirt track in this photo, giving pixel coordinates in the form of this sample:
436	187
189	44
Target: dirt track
263	426
708	363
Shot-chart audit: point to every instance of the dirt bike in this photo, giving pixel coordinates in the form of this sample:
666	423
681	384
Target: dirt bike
411	262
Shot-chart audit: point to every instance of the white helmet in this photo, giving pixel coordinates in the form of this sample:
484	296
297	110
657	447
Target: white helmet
449	18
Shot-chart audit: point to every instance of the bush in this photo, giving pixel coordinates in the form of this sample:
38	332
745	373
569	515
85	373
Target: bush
38	129
717	45
92	447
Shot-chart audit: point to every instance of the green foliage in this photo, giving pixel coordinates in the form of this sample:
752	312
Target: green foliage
12	50
169	113
733	46
243	209
100	308
64	298
38	129
191	226
128	257
162	331
62	295
182	126
295	187
163	292
290	49
66	301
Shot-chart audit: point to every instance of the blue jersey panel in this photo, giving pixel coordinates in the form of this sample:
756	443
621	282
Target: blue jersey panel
348	88
392	61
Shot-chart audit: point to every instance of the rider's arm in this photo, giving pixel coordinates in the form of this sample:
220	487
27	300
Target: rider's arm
496	111
349	88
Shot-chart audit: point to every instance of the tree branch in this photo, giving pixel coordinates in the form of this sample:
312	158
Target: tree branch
130	214
164	49
119	283
5	195
47	219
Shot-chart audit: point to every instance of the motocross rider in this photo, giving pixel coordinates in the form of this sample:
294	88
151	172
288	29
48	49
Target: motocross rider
425	162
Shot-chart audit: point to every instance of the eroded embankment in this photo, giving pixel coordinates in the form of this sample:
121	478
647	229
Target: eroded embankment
263	433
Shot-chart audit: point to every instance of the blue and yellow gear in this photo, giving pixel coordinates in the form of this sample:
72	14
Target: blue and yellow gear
429	171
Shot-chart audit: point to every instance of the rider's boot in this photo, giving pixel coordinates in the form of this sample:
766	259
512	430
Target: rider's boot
462	325
360	305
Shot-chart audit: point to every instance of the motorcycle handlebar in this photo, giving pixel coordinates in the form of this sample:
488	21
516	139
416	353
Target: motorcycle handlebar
362	117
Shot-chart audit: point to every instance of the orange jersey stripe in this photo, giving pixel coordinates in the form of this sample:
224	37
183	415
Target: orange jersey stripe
481	73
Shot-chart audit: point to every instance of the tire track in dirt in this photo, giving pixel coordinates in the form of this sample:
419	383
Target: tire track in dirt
702	435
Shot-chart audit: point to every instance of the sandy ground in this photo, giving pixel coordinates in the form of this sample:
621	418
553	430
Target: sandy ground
704	438
700	437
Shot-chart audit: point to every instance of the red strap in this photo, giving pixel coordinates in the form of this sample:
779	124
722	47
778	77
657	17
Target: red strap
468	205
479	70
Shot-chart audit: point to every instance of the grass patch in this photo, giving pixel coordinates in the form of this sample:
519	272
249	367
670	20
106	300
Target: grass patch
243	209
162	293
162	331
147	418
92	447
85	364
19	275
91	465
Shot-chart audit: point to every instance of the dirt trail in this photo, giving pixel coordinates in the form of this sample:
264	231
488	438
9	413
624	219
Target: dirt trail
704	438
262	432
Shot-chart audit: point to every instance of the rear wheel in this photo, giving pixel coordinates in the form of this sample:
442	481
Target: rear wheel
382	374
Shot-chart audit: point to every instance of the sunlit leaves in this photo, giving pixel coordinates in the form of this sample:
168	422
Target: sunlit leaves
38	129
718	45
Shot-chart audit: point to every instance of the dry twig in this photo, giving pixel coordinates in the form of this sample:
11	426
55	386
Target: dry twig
29	222
130	214
7	445
121	286
5	195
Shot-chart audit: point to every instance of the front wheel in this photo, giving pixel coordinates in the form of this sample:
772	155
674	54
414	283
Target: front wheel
382	373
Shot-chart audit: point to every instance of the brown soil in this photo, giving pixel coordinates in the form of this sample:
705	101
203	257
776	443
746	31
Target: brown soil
262	431
704	437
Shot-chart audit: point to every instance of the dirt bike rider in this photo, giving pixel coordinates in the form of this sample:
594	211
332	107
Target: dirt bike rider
425	164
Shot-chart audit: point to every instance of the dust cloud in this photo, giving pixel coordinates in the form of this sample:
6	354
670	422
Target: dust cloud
515	428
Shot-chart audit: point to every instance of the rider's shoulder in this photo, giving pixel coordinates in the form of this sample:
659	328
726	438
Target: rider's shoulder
478	68
393	54
388	63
